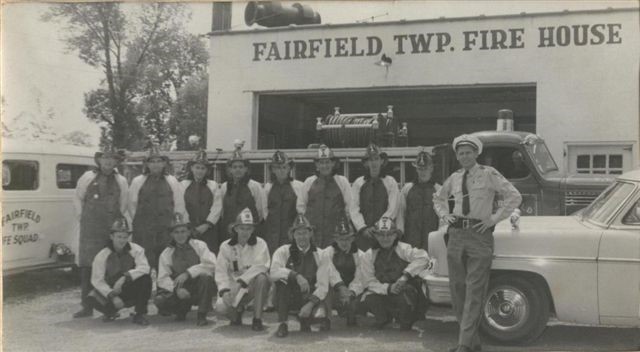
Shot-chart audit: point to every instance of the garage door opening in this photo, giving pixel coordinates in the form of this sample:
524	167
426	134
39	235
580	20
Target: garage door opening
434	114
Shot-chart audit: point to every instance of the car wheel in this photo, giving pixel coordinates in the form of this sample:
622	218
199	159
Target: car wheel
515	310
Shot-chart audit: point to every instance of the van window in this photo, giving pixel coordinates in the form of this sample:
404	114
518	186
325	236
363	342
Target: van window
67	175
20	175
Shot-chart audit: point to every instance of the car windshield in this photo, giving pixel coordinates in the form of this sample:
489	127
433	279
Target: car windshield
540	154
608	201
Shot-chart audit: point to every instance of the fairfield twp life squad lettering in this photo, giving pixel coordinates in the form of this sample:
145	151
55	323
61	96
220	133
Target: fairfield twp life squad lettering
438	42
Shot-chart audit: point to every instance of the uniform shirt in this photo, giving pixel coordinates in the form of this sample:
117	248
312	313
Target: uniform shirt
356	213
335	277
176	189
483	182
256	192
280	272
83	184
236	261
108	264
196	190
418	260
166	271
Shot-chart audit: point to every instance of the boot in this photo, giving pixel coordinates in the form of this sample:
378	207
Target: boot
325	324
256	325
352	321
305	325
283	330
202	319
83	313
140	319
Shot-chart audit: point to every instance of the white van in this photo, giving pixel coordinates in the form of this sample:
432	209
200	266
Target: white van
39	228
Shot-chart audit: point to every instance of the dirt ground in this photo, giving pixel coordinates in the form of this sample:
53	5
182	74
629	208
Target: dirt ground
38	306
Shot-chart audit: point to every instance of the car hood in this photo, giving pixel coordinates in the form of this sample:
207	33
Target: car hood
548	237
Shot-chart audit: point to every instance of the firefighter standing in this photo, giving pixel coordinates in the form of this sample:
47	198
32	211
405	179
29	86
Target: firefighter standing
416	216
324	197
374	195
100	198
199	199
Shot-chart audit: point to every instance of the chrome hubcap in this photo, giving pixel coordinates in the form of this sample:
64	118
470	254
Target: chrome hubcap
506	308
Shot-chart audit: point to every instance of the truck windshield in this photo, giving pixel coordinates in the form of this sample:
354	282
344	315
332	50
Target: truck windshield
540	154
607	203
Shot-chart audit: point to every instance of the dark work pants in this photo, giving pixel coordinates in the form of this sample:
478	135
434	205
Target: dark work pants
344	310
201	291
290	298
469	255
85	286
135	293
404	307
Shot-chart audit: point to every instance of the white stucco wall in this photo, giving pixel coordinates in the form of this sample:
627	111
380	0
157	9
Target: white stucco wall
584	93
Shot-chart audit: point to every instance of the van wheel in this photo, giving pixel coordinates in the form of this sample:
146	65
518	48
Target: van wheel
515	310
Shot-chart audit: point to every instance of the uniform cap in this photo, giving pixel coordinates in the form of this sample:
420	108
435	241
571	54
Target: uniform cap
467	139
237	153
298	223
109	151
423	159
280	158
154	152
344	228
371	151
178	220
245	217
200	158
120	225
325	152
386	224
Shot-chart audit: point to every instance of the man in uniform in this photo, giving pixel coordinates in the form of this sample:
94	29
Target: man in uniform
374	195
120	276
185	274
100	198
471	224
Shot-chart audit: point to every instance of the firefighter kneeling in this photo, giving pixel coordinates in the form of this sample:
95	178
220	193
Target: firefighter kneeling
185	275
120	276
390	270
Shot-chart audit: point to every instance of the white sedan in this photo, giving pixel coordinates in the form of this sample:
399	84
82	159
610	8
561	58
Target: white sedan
583	268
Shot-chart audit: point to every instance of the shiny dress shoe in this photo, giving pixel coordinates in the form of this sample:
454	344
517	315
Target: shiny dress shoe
140	319
83	313
202	319
283	330
379	325
256	325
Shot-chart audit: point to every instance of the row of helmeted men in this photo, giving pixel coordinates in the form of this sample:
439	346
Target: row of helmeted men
308	281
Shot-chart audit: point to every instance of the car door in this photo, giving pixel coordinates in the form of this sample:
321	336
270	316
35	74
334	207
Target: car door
619	268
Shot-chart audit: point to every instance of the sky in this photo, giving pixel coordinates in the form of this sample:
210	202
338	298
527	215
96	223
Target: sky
39	75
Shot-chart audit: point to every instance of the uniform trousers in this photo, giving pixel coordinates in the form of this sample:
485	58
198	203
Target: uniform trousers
134	293
200	289
469	255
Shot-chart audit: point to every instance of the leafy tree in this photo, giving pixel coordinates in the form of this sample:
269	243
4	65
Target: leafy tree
146	56
189	113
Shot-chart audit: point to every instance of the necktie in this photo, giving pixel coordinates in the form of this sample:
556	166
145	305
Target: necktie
465	194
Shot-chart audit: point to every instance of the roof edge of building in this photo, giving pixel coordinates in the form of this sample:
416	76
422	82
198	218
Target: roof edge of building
429	20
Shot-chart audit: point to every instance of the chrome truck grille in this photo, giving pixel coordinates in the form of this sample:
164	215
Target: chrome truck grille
580	198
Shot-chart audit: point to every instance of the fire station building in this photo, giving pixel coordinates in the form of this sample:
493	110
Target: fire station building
570	77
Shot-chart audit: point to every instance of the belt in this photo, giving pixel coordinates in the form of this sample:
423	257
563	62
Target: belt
464	223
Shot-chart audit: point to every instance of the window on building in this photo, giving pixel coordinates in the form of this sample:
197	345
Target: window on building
67	175
507	160
20	175
606	164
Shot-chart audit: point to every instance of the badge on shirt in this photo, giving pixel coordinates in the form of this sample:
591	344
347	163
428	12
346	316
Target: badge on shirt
96	196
